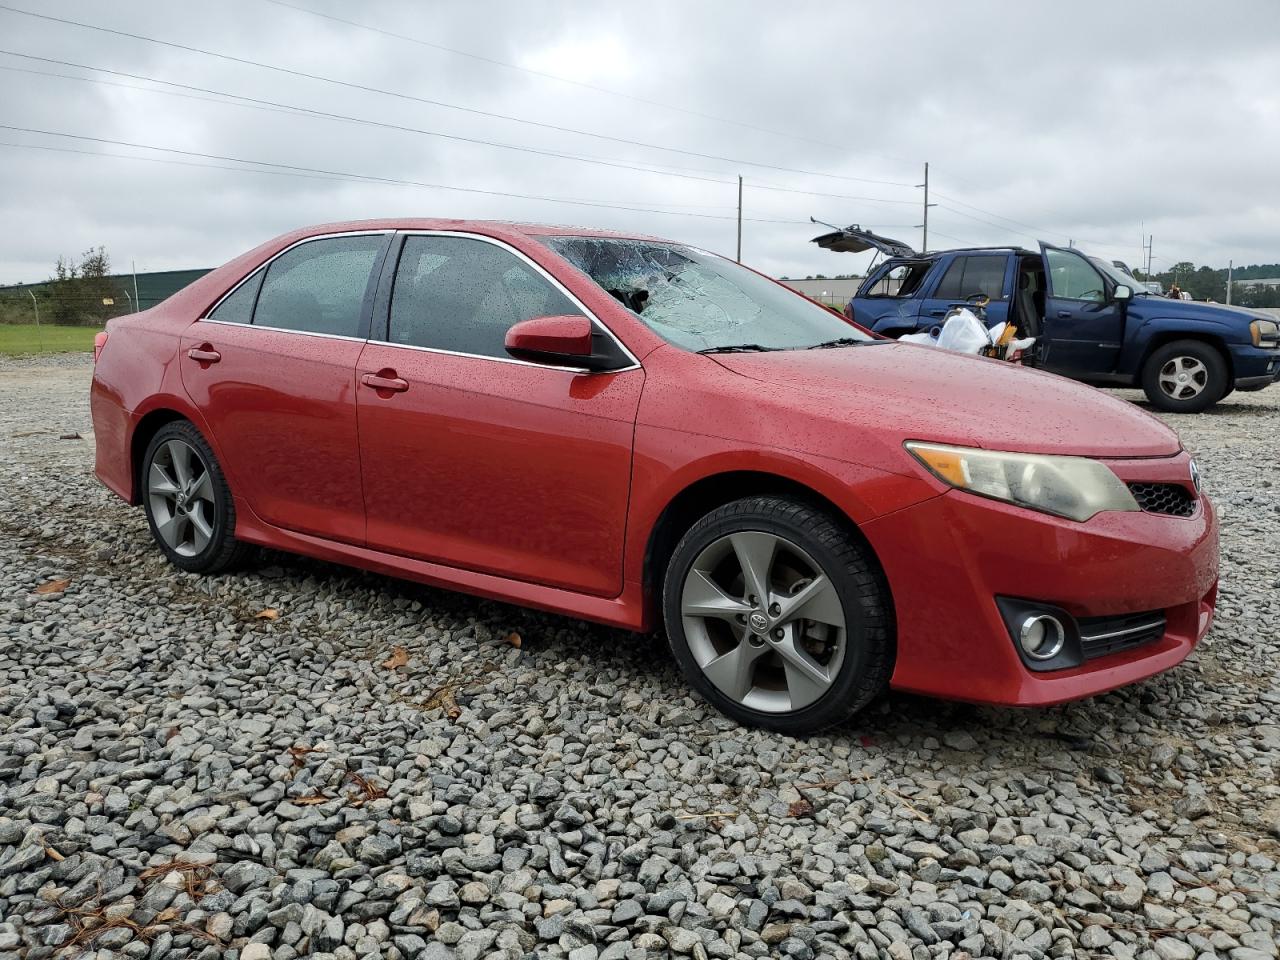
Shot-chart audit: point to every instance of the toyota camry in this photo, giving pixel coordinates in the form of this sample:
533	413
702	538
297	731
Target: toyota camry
647	435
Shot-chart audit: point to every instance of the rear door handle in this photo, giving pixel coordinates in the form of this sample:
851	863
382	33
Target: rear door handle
205	354
1064	314
385	380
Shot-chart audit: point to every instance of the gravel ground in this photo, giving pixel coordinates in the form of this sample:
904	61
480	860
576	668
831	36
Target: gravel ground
306	759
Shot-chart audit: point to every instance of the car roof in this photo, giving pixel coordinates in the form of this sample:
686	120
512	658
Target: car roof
494	228
935	254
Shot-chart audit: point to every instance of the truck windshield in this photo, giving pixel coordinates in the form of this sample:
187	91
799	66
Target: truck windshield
1116	275
700	301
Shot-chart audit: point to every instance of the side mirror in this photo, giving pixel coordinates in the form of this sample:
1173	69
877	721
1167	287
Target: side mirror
553	340
1122	292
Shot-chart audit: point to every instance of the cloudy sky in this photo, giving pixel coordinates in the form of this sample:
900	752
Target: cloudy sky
1092	122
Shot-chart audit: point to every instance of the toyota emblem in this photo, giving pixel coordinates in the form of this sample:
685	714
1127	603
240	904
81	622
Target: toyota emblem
1195	476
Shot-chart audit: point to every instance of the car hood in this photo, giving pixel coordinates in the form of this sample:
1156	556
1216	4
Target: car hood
1196	310
923	393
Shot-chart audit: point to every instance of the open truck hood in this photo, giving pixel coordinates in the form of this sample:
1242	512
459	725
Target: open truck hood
925	393
853	239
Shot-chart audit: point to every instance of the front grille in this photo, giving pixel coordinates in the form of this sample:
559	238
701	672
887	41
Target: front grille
1103	636
1170	498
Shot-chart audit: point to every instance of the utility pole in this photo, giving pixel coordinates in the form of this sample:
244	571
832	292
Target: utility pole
924	241
1230	266
739	218
1150	239
39	335
133	265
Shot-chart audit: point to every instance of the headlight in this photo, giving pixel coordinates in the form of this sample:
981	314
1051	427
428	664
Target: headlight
1072	487
1264	331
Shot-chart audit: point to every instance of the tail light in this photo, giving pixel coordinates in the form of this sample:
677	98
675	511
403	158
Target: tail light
99	341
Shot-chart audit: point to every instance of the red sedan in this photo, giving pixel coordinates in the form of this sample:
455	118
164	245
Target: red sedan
639	433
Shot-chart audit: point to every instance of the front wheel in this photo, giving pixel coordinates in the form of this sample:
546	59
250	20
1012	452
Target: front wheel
777	616
189	506
1185	376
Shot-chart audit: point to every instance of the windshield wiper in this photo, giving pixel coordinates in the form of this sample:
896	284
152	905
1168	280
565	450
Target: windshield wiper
839	342
738	348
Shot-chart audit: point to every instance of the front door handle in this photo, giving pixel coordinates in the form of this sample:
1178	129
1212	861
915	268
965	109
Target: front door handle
385	380
204	354
1064	314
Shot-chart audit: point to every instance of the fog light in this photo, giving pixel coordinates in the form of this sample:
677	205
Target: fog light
1042	636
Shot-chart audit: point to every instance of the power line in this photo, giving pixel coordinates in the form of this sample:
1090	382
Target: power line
436	103
295	109
1035	236
318	173
493	61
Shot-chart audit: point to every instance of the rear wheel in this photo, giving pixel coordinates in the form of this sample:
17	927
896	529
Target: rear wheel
777	616
189	506
1185	376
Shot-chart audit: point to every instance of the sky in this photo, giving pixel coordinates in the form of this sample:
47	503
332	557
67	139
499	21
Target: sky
1091	123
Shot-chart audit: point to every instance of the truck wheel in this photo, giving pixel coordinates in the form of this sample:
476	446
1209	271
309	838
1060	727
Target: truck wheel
1185	376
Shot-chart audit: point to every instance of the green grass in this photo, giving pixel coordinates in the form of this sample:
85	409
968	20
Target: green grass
18	339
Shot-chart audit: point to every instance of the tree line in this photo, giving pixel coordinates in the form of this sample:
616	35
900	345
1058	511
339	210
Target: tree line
80	293
1207	283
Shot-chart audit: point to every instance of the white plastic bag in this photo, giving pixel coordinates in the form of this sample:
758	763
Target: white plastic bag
963	332
927	338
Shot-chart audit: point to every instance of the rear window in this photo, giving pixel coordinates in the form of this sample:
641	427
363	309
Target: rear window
901	280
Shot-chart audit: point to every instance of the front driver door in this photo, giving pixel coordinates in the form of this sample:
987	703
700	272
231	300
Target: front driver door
477	460
1083	326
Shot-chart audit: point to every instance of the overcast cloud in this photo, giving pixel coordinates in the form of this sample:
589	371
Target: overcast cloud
1084	121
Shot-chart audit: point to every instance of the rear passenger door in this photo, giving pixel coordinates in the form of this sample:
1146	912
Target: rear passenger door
966	275
475	459
272	368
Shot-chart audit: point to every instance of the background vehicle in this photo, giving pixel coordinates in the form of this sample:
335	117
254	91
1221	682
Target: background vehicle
1092	321
639	433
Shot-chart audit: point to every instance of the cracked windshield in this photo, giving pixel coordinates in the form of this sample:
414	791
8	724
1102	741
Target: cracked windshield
699	301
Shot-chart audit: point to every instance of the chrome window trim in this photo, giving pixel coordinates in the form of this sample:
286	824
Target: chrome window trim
301	333
546	275
635	363
265	264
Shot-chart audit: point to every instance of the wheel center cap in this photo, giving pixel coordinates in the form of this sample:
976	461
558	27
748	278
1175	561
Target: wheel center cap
758	622
182	499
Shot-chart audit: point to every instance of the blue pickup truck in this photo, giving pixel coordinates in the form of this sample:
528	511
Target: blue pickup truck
1092	321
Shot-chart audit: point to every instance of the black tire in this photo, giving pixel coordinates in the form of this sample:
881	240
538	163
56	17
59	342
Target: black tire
223	551
868	610
1217	378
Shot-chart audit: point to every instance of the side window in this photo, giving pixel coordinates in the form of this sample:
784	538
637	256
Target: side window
901	280
949	288
984	275
462	295
238	308
319	286
972	275
1072	277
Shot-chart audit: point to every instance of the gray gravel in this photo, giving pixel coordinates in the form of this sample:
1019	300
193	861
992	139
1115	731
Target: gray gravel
182	775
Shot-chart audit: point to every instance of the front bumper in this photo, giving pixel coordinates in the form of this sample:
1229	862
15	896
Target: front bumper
1254	367
948	559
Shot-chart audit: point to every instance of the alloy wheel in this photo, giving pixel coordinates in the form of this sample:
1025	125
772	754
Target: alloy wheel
763	621
1183	378
180	490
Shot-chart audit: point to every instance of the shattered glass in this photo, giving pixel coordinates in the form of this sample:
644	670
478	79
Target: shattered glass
700	301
